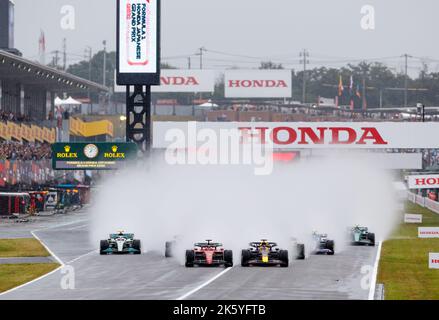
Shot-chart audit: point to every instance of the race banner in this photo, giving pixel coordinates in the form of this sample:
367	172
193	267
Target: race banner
4	132
15	131
433	260
175	80
305	135
138	42
46	135
37	134
424	181
413	218
428	232
75	126
258	84
26	133
179	80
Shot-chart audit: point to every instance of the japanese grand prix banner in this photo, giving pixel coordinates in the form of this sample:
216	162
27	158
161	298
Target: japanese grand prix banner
306	135
258	84
138	41
424	181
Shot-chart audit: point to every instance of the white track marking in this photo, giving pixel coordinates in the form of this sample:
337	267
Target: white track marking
62	265
47	248
62	225
375	273
183	297
43	276
83	256
77	228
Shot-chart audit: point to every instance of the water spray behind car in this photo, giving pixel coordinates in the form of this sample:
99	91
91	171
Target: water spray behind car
231	205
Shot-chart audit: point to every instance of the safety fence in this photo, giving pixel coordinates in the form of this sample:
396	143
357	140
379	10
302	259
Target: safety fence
424	202
13	173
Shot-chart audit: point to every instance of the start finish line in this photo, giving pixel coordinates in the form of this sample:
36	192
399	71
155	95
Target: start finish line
300	135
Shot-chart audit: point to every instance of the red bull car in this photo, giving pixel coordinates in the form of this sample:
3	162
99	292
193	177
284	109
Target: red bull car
264	253
209	254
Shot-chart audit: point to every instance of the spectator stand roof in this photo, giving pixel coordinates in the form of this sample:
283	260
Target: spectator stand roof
17	69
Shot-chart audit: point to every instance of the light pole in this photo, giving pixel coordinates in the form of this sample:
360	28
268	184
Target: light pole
304	55
202	49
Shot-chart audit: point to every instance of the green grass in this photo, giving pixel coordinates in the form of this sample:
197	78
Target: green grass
403	266
13	275
16	248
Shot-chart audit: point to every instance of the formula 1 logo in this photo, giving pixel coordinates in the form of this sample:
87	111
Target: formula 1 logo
138	30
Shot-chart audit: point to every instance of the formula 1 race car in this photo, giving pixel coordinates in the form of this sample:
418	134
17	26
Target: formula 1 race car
361	236
264	253
323	244
120	243
209	254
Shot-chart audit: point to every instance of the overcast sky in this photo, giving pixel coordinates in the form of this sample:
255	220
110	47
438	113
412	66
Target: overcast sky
276	29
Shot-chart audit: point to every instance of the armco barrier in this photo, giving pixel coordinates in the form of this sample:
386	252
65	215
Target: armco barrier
424	202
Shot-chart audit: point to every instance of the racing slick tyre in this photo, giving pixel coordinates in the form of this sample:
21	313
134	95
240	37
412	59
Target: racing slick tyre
104	246
168	249
330	247
137	246
245	257
300	252
371	237
190	257
283	256
228	258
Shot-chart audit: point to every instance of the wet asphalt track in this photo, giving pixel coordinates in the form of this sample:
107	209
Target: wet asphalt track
151	276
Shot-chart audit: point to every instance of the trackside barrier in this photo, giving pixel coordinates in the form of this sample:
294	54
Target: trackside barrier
424	202
411	197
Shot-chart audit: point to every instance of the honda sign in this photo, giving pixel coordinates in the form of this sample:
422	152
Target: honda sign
258	84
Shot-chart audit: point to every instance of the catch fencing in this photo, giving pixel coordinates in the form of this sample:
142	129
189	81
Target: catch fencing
424	202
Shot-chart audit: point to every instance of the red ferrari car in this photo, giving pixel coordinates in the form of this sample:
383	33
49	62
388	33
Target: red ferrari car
209	254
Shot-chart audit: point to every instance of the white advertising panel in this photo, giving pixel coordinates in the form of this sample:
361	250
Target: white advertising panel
433	261
312	135
412	218
428	232
258	84
181	81
423	181
174	80
138	40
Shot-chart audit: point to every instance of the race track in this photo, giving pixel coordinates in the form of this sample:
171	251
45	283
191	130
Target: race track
151	276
